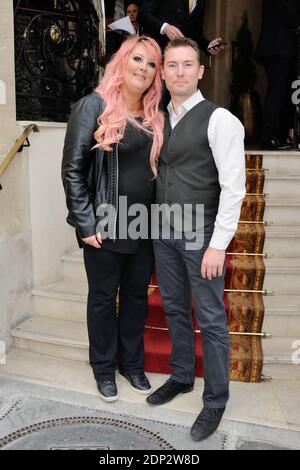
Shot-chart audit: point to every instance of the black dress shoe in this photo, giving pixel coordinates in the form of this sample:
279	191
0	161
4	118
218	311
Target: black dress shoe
206	423
138	382
276	145
168	391
287	147
108	390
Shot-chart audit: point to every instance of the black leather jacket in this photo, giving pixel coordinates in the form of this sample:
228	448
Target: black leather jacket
90	177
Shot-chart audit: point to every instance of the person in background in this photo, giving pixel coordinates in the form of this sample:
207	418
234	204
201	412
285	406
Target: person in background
165	20
276	51
132	10
169	19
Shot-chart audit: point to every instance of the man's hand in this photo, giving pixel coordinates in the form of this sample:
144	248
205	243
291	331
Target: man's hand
213	47
212	263
172	32
95	241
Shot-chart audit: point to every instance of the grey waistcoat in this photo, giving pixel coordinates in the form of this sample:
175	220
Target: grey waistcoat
187	170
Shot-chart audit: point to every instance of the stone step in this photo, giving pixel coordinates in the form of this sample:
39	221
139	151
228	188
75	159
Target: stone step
282	372
73	266
283	211
283	241
53	337
66	300
51	371
283	302
68	340
282	275
282	351
280	162
282	322
285	186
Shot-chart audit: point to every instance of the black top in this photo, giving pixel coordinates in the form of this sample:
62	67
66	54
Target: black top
137	184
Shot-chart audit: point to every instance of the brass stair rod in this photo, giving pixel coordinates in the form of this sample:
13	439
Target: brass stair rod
266	378
266	195
263	255
232	333
264	292
259	170
264	222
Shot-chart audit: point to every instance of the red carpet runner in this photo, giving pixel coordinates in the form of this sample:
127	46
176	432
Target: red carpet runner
243	297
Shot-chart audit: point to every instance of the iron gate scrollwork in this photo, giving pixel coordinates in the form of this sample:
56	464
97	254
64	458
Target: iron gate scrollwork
56	56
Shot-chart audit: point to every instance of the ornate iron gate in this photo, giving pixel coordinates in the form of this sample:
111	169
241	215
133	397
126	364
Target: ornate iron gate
56	56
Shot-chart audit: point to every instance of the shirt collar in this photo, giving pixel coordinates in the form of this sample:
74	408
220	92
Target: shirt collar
188	104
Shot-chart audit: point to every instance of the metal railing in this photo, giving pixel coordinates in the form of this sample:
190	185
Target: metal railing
18	147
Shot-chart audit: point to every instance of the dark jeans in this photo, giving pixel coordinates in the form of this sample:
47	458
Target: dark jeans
179	278
116	339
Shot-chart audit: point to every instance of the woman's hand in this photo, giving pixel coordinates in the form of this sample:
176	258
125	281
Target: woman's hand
95	241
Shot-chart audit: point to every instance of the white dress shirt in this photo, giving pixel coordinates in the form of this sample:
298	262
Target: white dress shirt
226	140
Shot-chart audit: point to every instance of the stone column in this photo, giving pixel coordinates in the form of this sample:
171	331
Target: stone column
15	240
7	76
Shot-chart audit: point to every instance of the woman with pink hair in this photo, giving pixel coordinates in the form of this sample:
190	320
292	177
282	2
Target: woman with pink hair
112	144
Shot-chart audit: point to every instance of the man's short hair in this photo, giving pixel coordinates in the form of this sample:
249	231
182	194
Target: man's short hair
182	42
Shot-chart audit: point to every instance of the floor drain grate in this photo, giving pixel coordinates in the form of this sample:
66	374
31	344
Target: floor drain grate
111	428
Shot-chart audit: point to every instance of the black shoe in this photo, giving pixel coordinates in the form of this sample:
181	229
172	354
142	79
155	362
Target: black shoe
168	391
138	382
287	147
276	145
108	390
206	423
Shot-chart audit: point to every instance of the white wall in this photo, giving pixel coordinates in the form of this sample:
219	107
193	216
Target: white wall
15	241
50	234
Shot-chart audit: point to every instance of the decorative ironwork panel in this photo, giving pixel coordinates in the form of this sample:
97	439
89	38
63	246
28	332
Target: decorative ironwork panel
56	56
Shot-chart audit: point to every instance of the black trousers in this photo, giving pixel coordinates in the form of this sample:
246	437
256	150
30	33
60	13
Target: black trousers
116	339
278	110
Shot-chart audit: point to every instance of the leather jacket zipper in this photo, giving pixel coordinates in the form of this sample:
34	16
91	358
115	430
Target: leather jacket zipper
117	191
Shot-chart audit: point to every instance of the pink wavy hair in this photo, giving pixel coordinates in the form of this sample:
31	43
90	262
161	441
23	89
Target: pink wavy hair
113	120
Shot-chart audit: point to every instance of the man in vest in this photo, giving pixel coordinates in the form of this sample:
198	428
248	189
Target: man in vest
202	162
